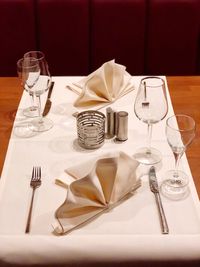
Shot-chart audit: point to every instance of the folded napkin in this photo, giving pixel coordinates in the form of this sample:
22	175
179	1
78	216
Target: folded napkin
98	187
105	85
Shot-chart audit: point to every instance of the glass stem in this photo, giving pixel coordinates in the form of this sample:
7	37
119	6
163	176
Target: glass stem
39	109
149	138
32	108
177	157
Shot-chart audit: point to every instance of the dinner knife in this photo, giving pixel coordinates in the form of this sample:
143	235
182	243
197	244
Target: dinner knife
155	189
48	102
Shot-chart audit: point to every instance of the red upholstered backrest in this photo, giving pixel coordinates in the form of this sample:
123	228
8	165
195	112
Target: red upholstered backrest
17	30
118	32
198	53
63	35
149	37
172	37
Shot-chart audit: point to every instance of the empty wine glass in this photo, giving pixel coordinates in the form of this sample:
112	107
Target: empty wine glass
180	131
40	124
26	69
150	107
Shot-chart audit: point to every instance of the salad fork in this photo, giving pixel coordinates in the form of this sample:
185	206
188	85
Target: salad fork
34	183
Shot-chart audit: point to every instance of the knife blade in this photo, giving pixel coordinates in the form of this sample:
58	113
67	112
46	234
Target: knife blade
155	189
48	102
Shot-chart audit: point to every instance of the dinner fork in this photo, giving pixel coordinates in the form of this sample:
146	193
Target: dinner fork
34	183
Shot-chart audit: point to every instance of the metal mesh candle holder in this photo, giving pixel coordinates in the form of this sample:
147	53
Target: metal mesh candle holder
91	129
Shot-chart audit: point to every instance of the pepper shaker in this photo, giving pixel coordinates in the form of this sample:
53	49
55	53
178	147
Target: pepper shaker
122	126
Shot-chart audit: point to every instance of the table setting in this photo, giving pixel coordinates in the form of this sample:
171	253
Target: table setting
70	194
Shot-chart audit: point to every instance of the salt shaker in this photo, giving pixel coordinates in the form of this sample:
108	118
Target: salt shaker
122	126
110	123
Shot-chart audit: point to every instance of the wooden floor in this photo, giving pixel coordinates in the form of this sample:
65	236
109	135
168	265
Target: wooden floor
185	95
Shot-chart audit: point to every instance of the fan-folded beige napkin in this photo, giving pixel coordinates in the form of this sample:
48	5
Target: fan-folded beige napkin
105	85
98	187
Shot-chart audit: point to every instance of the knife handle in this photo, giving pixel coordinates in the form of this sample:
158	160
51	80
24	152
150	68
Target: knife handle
163	221
50	90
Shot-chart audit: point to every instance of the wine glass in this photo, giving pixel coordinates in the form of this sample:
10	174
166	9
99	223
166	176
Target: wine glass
150	107
180	131
24	69
40	124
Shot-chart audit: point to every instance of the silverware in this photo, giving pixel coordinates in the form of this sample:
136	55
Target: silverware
154	188
145	103
48	102
75	87
35	183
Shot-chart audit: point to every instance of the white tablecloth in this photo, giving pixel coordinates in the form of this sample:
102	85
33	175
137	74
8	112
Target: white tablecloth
129	233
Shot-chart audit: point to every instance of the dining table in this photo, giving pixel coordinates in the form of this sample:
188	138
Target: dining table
129	235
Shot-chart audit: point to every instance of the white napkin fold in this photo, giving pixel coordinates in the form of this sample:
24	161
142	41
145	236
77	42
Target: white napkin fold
98	187
105	85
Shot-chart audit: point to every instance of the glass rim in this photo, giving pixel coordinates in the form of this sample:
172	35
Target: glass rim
177	128
153	77
36	52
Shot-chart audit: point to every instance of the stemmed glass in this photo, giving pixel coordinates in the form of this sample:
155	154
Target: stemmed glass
41	123
180	131
150	107
25	69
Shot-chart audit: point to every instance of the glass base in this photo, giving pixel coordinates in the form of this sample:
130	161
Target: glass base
41	125
31	112
175	185
148	156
